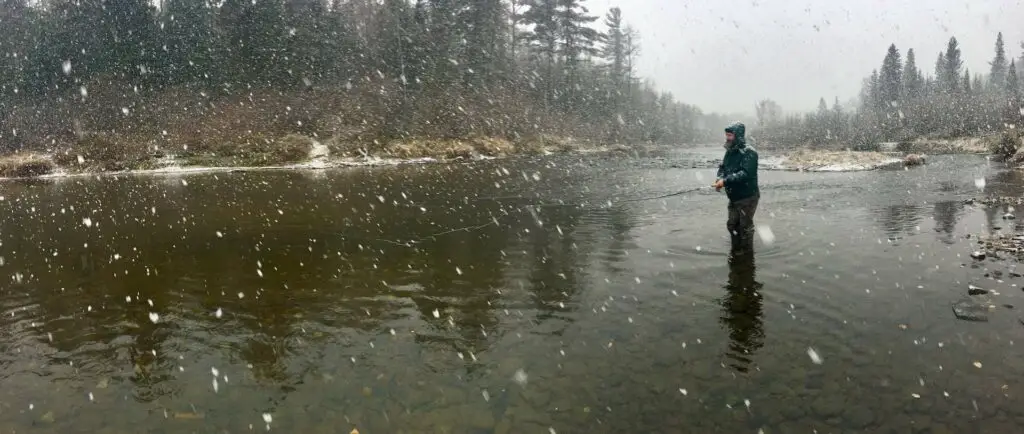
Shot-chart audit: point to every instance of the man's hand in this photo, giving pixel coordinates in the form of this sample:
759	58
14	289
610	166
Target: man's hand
718	185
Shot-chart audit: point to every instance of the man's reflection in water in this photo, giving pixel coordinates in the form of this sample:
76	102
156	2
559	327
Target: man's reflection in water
741	306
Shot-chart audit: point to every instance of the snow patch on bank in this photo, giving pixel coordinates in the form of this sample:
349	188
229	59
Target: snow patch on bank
171	166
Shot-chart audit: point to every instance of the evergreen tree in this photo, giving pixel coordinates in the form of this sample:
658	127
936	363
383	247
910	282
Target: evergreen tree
875	101
953	65
577	41
485	43
997	73
614	50
543	39
614	53
911	77
941	78
891	77
1012	85
189	38
1014	111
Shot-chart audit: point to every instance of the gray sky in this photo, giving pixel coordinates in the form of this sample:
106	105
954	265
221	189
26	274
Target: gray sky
723	55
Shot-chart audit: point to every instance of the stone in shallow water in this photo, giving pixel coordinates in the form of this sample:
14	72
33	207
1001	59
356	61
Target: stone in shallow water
974	290
978	255
969	310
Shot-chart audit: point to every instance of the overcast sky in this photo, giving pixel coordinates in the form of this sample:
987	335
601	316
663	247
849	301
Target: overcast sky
723	55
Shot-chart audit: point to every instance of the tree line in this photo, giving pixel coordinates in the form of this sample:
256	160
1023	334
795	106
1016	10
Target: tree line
899	102
445	68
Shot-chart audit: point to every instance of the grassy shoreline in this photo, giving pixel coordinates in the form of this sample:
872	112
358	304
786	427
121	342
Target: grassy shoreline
97	154
887	155
832	161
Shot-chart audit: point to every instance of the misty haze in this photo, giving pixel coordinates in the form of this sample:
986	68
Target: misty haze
510	216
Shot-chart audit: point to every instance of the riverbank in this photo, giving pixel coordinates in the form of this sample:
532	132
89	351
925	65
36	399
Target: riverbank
98	154
296	152
933	146
831	161
889	154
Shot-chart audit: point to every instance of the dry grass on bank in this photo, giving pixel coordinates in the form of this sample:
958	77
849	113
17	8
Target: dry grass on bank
811	160
24	165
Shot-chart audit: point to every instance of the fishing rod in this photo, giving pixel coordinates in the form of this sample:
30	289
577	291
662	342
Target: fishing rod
586	203
678	193
494	221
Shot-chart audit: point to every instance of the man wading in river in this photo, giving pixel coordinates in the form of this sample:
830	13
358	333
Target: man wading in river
738	175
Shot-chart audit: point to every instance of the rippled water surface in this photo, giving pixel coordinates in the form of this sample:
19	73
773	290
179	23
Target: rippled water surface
506	296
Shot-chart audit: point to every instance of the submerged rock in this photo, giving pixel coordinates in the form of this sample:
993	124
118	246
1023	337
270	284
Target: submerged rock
913	160
970	310
1012	245
978	255
996	200
974	290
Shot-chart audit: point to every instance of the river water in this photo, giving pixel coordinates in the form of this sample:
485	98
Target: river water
505	296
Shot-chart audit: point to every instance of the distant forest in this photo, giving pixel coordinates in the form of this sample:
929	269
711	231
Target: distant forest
900	103
365	71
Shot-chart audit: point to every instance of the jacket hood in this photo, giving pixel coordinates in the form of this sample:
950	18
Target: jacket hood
738	129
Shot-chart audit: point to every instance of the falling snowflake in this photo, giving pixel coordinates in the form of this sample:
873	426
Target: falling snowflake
520	377
766	234
815	358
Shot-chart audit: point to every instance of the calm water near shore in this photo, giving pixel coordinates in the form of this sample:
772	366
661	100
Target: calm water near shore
506	296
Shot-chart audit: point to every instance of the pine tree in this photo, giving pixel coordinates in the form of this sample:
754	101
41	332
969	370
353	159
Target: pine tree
614	50
821	116
836	120
1013	109
614	53
1020	61
189	41
485	42
254	34
912	80
1012	88
304	42
543	40
577	40
21	29
997	73
891	77
953	64
941	84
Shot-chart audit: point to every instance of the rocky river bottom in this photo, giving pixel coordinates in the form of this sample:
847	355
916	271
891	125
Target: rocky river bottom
538	294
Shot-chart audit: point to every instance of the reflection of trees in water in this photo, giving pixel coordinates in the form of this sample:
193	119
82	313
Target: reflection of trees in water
460	275
1008	183
556	260
946	214
994	218
742	311
901	218
1005	183
326	269
145	246
621	240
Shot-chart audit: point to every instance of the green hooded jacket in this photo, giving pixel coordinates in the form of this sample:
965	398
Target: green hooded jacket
739	166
